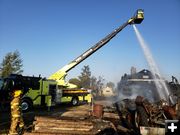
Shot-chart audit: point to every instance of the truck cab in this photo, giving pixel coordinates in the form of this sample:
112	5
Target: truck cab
43	93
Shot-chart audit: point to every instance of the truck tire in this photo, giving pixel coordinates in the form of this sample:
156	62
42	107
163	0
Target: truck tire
141	117
75	101
26	105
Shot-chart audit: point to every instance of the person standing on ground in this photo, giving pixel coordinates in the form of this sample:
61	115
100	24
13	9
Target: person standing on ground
13	85
17	123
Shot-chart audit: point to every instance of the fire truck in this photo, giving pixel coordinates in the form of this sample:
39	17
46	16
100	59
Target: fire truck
55	89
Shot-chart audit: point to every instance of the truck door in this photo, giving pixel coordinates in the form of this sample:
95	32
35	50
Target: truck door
52	92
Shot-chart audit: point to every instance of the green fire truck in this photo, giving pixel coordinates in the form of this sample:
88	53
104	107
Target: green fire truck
55	89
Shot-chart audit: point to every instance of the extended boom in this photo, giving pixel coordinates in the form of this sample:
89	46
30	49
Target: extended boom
59	76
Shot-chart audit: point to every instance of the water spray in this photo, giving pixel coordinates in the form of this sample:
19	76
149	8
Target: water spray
160	84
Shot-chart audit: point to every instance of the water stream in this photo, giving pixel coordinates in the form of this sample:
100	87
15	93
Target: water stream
160	84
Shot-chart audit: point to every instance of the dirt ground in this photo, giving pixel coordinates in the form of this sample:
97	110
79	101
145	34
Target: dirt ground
63	111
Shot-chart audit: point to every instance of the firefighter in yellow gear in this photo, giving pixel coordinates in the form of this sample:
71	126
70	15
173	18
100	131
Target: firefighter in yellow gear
15	87
17	123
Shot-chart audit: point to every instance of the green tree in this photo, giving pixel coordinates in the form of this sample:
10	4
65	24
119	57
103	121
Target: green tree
100	84
85	77
93	84
75	81
97	85
110	84
85	80
12	63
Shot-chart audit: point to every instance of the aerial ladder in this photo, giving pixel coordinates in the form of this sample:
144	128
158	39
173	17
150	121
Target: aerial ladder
60	75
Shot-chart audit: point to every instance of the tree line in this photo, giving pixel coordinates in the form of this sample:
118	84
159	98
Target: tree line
88	81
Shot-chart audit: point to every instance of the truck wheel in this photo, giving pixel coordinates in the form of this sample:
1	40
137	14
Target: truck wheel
26	105
75	101
141	117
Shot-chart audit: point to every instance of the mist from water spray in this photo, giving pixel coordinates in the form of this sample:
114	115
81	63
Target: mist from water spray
159	81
